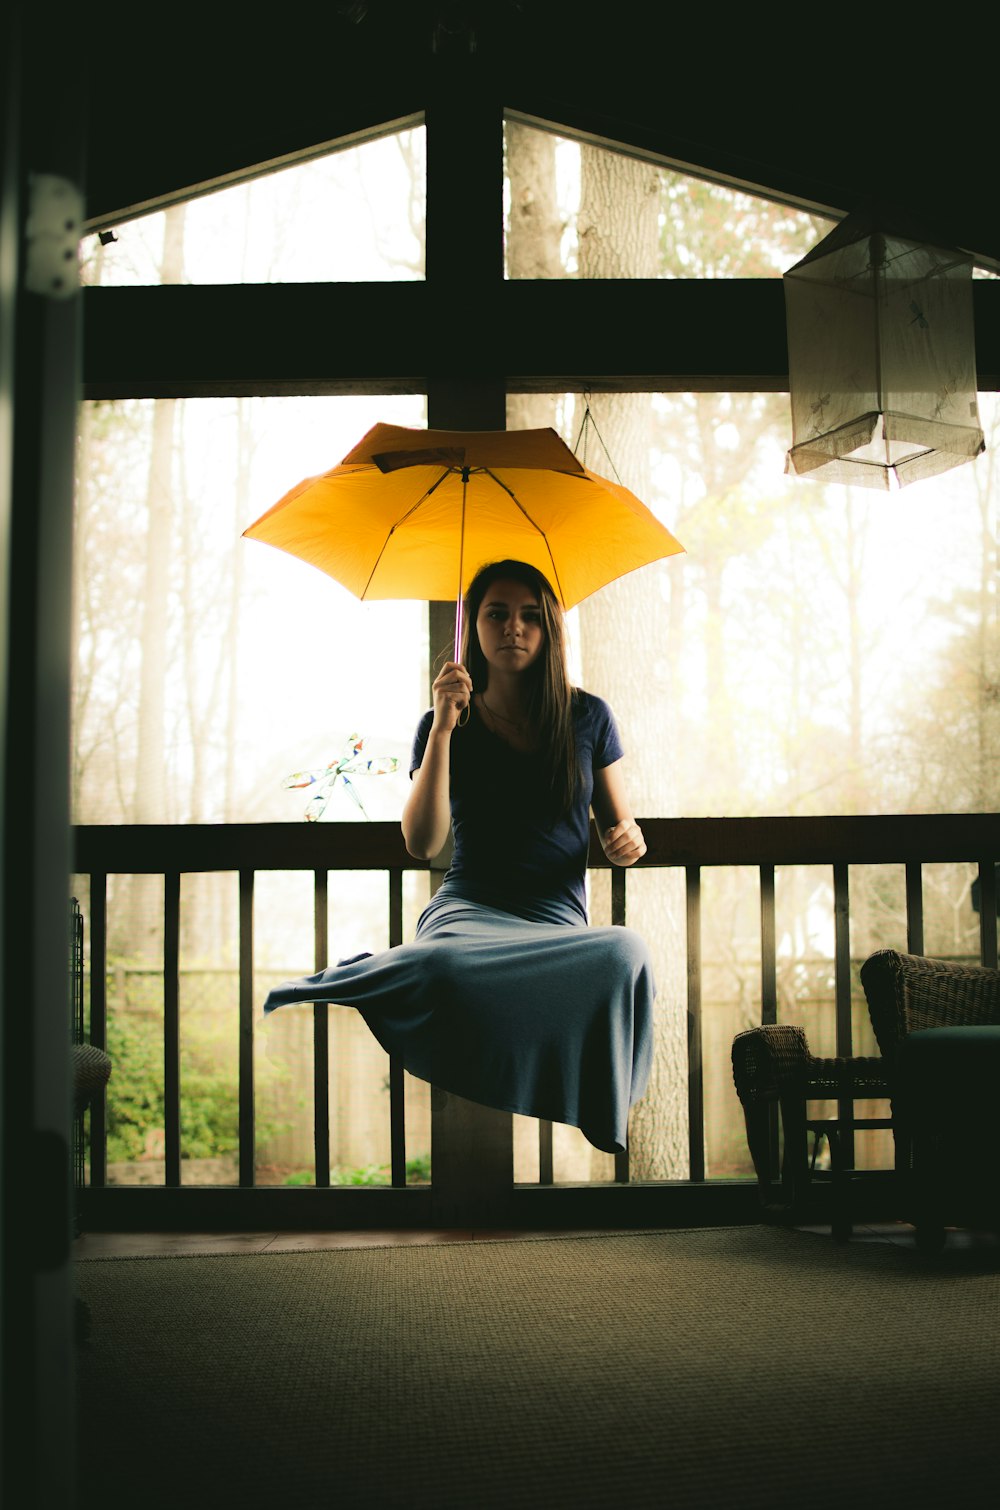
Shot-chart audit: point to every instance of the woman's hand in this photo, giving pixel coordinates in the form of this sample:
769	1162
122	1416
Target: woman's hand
623	844
452	694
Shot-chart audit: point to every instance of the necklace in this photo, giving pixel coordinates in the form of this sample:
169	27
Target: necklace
515	723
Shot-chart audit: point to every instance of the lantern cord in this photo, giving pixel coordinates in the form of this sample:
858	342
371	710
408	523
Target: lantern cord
588	420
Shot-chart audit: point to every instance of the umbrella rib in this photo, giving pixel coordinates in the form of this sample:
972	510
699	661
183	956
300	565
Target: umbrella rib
402	520
518	504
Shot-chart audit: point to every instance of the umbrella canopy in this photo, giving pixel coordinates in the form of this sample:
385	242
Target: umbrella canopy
415	513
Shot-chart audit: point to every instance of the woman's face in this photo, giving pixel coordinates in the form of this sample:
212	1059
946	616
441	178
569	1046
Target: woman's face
509	625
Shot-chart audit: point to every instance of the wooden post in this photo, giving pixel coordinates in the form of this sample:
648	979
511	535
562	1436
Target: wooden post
472	1146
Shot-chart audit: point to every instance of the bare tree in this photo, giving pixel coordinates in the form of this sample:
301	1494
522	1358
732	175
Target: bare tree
149	799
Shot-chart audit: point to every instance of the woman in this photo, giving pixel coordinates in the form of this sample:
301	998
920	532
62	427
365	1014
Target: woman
506	996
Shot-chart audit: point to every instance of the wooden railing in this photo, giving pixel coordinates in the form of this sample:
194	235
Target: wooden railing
690	844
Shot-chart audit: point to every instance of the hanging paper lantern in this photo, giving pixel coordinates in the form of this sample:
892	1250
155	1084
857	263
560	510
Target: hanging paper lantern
881	358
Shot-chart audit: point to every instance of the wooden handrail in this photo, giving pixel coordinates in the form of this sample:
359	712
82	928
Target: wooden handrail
926	838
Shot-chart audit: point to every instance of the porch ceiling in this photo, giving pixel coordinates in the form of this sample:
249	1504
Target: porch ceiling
787	109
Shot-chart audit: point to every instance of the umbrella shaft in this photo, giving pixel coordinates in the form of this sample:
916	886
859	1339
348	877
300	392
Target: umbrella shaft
461	567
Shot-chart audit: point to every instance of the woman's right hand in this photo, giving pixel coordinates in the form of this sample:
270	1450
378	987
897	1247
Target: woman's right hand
452	694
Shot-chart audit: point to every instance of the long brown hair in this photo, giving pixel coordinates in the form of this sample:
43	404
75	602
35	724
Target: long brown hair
549	690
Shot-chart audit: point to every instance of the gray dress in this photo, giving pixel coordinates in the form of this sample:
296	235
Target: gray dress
506	995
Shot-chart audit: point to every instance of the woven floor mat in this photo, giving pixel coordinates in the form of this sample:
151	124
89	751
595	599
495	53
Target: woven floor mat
740	1367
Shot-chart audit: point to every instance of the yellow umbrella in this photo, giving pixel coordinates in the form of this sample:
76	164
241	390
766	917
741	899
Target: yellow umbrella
415	513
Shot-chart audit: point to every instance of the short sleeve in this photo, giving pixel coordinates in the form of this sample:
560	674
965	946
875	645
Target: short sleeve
607	744
420	741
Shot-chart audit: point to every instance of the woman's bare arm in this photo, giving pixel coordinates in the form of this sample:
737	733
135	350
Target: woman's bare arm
427	814
621	837
426	819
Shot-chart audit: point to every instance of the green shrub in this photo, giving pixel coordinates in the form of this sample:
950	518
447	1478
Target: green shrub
209	1089
417	1170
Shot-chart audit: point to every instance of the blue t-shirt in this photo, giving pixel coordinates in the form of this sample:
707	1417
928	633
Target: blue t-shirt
514	849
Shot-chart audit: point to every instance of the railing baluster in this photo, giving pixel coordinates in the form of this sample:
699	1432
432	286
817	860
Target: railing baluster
98	1022
768	952
247	1140
397	1120
842	958
842	990
397	1084
545	1166
171	1028
395	907
618	918
321	1038
696	1095
988	914
769	988
618	874
914	907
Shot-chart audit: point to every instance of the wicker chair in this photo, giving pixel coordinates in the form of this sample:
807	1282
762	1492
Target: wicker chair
775	1072
91	1066
938	1027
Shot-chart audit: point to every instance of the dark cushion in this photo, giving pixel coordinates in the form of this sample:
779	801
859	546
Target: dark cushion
961	1064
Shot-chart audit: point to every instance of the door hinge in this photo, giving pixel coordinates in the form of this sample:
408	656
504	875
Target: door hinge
52	236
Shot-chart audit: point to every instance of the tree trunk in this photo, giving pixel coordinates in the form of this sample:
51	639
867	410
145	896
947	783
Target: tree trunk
534	236
621	630
987	712
149	802
535	228
83	674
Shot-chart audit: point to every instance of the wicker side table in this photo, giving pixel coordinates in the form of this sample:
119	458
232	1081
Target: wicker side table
776	1074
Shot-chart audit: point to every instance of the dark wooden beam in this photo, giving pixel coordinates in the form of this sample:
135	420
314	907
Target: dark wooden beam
532	1208
668	335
